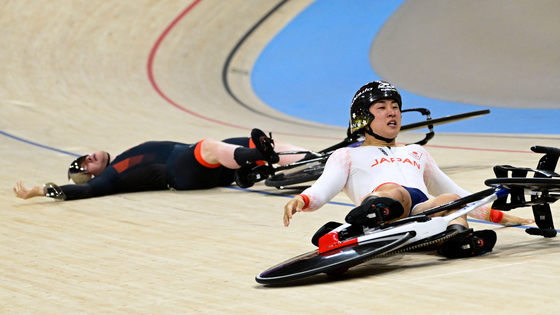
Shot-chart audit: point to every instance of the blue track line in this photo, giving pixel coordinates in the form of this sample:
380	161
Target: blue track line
37	144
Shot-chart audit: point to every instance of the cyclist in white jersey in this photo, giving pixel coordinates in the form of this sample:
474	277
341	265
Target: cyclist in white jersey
379	169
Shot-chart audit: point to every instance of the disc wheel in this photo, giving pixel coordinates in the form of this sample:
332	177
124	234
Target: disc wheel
313	262
296	177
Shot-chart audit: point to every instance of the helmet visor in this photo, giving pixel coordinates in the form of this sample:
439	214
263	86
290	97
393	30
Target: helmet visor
359	120
76	171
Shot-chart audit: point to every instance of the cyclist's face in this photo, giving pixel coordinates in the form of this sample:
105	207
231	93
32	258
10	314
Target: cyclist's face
387	121
96	163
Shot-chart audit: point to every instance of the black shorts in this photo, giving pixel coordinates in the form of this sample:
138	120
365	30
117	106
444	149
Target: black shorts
187	171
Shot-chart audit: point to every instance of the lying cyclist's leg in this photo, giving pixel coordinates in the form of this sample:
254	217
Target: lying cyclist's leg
281	146
269	148
236	152
229	155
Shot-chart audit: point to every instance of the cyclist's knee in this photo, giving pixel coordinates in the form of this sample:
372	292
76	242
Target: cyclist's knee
209	148
445	198
396	192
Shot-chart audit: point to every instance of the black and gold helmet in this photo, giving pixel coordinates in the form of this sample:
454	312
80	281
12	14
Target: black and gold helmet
360	116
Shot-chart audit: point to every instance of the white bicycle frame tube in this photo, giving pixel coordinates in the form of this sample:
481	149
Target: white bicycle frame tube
425	229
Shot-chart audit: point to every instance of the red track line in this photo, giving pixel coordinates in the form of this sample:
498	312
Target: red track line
151	71
170	101
152	79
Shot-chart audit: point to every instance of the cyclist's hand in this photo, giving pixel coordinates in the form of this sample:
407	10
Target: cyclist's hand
293	206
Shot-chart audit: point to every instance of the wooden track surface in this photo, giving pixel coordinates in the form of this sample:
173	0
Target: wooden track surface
81	76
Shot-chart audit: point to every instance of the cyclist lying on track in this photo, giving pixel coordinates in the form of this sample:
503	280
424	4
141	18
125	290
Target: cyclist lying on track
397	179
159	165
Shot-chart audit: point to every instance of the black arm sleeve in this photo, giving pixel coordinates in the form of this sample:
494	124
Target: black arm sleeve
106	184
140	168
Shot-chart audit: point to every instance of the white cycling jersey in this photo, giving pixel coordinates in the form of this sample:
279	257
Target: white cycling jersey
359	171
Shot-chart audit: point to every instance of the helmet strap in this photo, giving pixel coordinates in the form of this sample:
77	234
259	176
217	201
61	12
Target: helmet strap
378	137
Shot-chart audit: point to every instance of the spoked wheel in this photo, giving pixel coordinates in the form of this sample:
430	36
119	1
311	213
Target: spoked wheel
313	262
295	177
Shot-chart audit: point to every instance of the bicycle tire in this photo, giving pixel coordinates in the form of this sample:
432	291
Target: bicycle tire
312	263
297	177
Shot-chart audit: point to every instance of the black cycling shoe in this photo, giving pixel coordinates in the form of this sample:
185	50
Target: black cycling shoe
265	145
247	175
375	211
468	243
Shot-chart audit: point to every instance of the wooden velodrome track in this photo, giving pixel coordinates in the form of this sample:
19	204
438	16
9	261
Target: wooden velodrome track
80	76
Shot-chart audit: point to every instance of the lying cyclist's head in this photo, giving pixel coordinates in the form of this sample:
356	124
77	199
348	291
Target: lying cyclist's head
85	167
